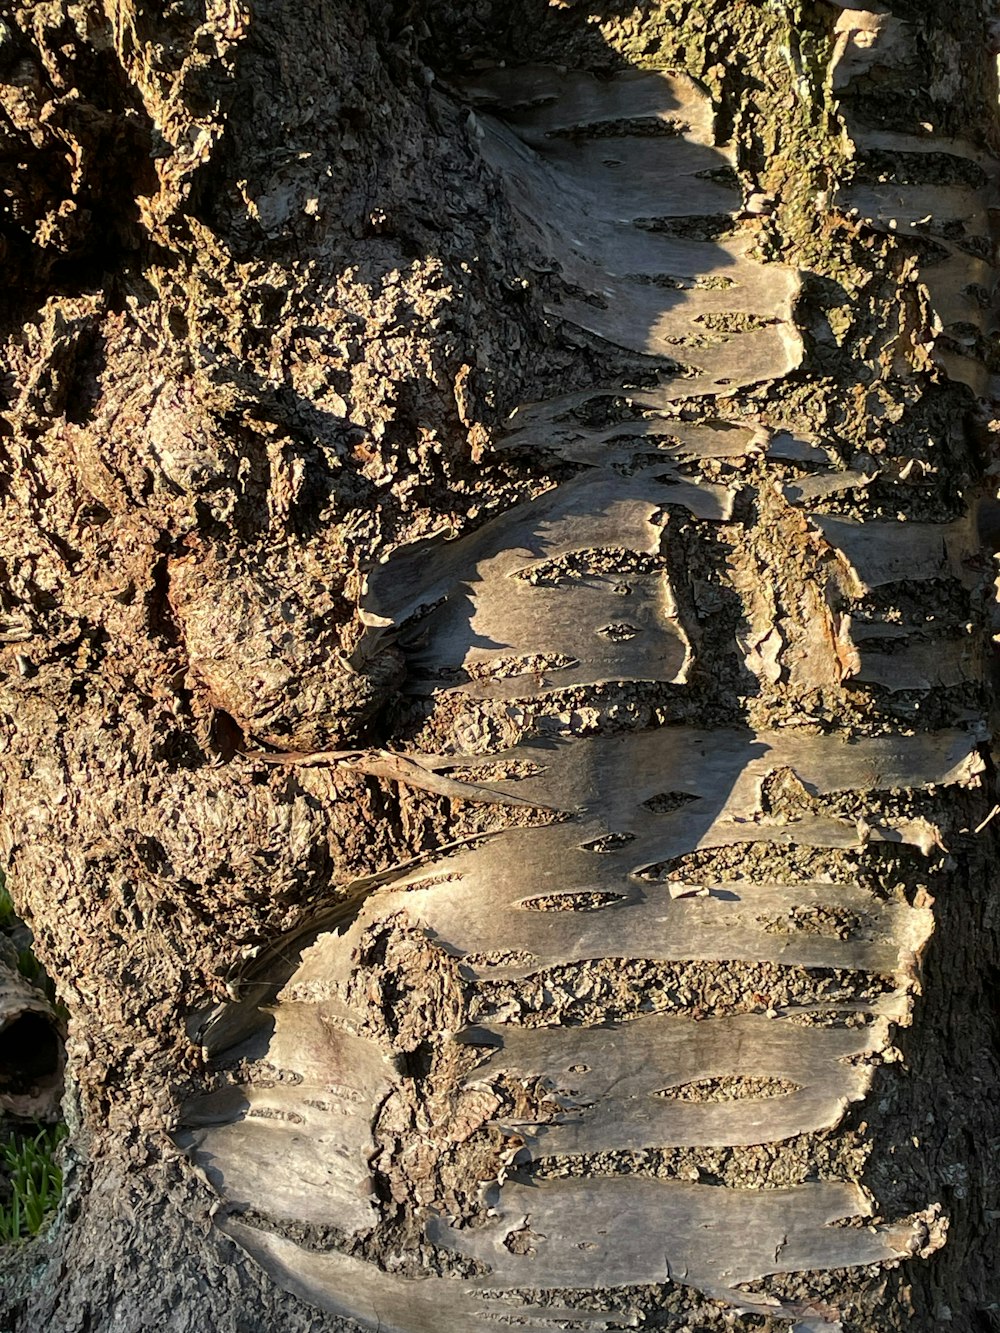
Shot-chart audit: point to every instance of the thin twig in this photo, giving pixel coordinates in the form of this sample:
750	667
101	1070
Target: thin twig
979	827
394	767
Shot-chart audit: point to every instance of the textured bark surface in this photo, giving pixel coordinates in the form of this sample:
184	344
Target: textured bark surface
279	273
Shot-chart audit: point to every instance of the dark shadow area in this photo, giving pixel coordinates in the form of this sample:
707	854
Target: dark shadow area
31	1055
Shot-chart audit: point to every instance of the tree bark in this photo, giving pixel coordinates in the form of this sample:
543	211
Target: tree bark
526	868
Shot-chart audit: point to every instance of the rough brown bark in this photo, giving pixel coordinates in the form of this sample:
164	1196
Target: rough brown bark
270	304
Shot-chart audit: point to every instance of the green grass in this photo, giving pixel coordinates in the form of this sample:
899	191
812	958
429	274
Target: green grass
27	964
35	1183
30	968
8	917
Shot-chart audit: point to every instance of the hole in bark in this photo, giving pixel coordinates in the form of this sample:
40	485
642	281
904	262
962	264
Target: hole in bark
618	631
608	843
665	802
704	227
502	668
645	127
571	902
507	770
30	1055
500	958
275	1113
735	1088
226	735
890	871
594	562
834	922
432	881
614	990
522	1241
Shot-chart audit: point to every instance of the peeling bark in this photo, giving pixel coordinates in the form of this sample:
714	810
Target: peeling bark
496	660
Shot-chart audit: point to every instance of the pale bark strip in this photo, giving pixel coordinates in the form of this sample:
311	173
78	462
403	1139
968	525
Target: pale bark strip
506	613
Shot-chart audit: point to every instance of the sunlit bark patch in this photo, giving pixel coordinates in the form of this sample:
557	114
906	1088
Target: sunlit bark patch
707	946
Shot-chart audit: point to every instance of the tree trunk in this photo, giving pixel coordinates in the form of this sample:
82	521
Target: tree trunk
498	868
